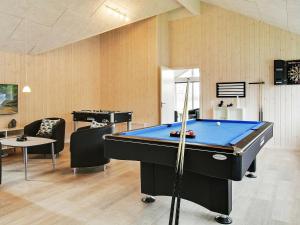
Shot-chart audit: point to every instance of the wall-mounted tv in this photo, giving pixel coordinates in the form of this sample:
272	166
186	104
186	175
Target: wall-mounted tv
8	99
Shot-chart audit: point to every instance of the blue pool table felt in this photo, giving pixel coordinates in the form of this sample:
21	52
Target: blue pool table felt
207	131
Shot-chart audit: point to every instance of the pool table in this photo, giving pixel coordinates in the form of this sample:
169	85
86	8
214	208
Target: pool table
219	154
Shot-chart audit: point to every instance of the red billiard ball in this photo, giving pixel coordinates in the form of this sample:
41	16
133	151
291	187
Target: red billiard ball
190	134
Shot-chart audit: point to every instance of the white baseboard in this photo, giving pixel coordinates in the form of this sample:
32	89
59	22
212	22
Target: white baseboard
279	147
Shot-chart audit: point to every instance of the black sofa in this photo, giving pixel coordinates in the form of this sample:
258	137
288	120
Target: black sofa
87	147
58	134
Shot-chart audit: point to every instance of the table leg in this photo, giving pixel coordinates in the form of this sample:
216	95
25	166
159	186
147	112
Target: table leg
223	219
4	154
148	199
252	170
74	125
53	156
25	156
128	126
113	128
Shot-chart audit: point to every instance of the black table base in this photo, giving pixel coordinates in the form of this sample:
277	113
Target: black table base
212	193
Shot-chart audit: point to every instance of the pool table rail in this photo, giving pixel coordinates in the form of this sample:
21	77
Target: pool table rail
200	158
259	134
236	149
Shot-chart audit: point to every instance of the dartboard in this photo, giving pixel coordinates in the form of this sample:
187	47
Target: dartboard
293	72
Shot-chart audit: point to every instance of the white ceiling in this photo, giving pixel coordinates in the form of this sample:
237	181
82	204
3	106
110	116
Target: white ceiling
281	13
35	26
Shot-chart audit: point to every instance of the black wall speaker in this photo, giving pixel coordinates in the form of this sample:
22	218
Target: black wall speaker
280	73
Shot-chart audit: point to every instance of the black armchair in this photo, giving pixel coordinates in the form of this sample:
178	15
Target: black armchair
87	147
194	113
58	134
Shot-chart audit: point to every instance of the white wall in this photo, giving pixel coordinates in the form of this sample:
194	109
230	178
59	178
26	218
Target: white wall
227	46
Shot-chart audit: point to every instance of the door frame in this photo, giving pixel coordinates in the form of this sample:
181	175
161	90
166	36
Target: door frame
179	68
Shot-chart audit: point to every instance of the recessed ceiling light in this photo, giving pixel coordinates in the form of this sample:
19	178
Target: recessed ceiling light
117	12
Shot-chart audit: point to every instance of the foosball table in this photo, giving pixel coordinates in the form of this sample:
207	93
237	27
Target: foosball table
102	116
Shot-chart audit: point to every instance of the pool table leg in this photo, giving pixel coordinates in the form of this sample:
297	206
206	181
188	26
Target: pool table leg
223	219
252	170
148	199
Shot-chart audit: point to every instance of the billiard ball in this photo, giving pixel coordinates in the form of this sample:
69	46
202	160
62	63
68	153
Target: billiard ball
190	134
218	123
175	133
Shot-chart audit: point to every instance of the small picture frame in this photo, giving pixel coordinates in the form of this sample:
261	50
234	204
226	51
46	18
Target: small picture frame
231	89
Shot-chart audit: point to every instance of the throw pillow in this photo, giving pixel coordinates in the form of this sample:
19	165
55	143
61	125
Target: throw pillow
46	128
95	124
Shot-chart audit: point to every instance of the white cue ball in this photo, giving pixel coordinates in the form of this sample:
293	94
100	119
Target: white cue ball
218	123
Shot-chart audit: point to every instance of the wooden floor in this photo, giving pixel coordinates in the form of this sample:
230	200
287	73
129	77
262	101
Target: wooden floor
113	197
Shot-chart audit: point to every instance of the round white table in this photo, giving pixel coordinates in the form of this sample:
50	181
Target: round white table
31	141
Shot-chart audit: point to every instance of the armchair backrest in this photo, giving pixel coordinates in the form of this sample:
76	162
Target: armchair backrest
32	128
87	147
58	132
89	137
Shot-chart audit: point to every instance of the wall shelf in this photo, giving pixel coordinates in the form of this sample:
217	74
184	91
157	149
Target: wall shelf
228	113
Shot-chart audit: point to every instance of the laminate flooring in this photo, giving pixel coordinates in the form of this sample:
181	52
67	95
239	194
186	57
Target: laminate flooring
113	197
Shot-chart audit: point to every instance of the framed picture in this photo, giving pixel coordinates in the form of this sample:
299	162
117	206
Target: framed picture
231	89
8	99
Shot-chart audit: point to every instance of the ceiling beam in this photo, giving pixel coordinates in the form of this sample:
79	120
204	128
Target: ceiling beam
193	6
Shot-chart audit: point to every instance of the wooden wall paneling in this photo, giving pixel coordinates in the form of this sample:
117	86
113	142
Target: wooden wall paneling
286	106
295	117
281	97
163	40
129	70
274	89
244	56
119	70
62	80
205	79
231	47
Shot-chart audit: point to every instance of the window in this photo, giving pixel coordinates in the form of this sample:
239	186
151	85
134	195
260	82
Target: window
194	90
194	95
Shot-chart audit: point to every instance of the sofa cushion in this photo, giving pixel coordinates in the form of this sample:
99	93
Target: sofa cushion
46	128
95	124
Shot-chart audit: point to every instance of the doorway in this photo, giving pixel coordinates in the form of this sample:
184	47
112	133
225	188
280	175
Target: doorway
173	85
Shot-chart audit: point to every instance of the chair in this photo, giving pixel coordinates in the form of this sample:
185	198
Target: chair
194	113
58	134
87	147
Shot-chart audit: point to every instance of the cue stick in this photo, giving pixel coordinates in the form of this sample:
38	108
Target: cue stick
179	164
260	110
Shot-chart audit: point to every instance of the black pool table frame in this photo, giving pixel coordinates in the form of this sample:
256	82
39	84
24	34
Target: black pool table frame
208	169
